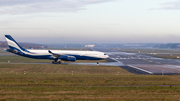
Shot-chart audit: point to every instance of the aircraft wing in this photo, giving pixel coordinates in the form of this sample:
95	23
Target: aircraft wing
63	57
54	54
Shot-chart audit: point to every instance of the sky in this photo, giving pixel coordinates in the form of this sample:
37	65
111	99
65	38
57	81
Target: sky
91	21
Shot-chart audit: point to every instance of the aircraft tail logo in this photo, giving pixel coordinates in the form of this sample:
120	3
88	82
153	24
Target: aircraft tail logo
13	45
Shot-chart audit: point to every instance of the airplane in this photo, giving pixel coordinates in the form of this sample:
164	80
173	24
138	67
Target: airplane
55	55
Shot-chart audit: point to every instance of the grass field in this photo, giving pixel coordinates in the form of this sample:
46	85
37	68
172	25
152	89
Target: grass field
99	83
29	60
51	82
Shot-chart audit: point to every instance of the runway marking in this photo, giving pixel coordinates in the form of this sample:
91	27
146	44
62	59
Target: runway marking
135	67
114	59
172	66
136	58
140	69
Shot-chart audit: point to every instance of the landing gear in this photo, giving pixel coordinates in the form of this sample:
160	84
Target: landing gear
56	62
53	62
59	62
98	63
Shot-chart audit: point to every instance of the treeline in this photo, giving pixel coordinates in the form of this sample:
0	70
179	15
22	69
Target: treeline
24	45
3	44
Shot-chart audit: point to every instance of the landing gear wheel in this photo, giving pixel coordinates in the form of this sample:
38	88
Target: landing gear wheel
53	62
59	62
56	62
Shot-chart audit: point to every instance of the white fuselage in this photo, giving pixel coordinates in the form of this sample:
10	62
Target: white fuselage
76	53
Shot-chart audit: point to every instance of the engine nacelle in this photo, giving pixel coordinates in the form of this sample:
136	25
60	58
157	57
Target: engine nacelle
67	58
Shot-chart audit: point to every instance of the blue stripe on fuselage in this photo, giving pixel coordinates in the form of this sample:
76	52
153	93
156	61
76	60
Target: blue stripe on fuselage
35	56
13	48
78	57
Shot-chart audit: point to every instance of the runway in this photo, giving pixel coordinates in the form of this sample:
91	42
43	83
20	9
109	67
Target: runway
144	64
133	62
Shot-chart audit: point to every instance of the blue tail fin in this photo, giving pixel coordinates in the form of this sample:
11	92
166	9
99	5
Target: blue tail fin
13	45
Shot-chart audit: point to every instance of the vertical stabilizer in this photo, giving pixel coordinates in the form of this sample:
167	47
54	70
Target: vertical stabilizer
13	45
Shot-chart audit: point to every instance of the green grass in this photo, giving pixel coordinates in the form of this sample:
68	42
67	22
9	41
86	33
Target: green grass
29	60
50	82
21	59
102	86
99	83
91	93
52	75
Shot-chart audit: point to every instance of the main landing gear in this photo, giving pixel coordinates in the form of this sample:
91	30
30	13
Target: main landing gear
56	62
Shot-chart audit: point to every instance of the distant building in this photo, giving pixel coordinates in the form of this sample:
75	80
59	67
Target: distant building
89	45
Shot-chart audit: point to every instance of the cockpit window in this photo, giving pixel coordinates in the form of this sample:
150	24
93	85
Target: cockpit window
105	54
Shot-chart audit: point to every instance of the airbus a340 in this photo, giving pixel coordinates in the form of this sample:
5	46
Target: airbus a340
55	55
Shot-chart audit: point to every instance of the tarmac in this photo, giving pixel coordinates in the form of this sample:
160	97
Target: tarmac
143	64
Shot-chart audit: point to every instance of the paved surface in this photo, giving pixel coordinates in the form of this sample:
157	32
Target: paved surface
144	64
135	63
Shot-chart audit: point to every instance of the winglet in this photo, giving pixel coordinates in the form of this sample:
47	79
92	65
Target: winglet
49	51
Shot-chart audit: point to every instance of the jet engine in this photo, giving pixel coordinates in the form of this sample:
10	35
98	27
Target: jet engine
67	58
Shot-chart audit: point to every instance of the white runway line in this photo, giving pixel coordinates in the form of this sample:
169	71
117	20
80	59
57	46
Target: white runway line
114	59
140	69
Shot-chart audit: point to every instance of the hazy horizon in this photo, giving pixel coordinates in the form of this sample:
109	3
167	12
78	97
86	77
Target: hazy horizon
91	21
